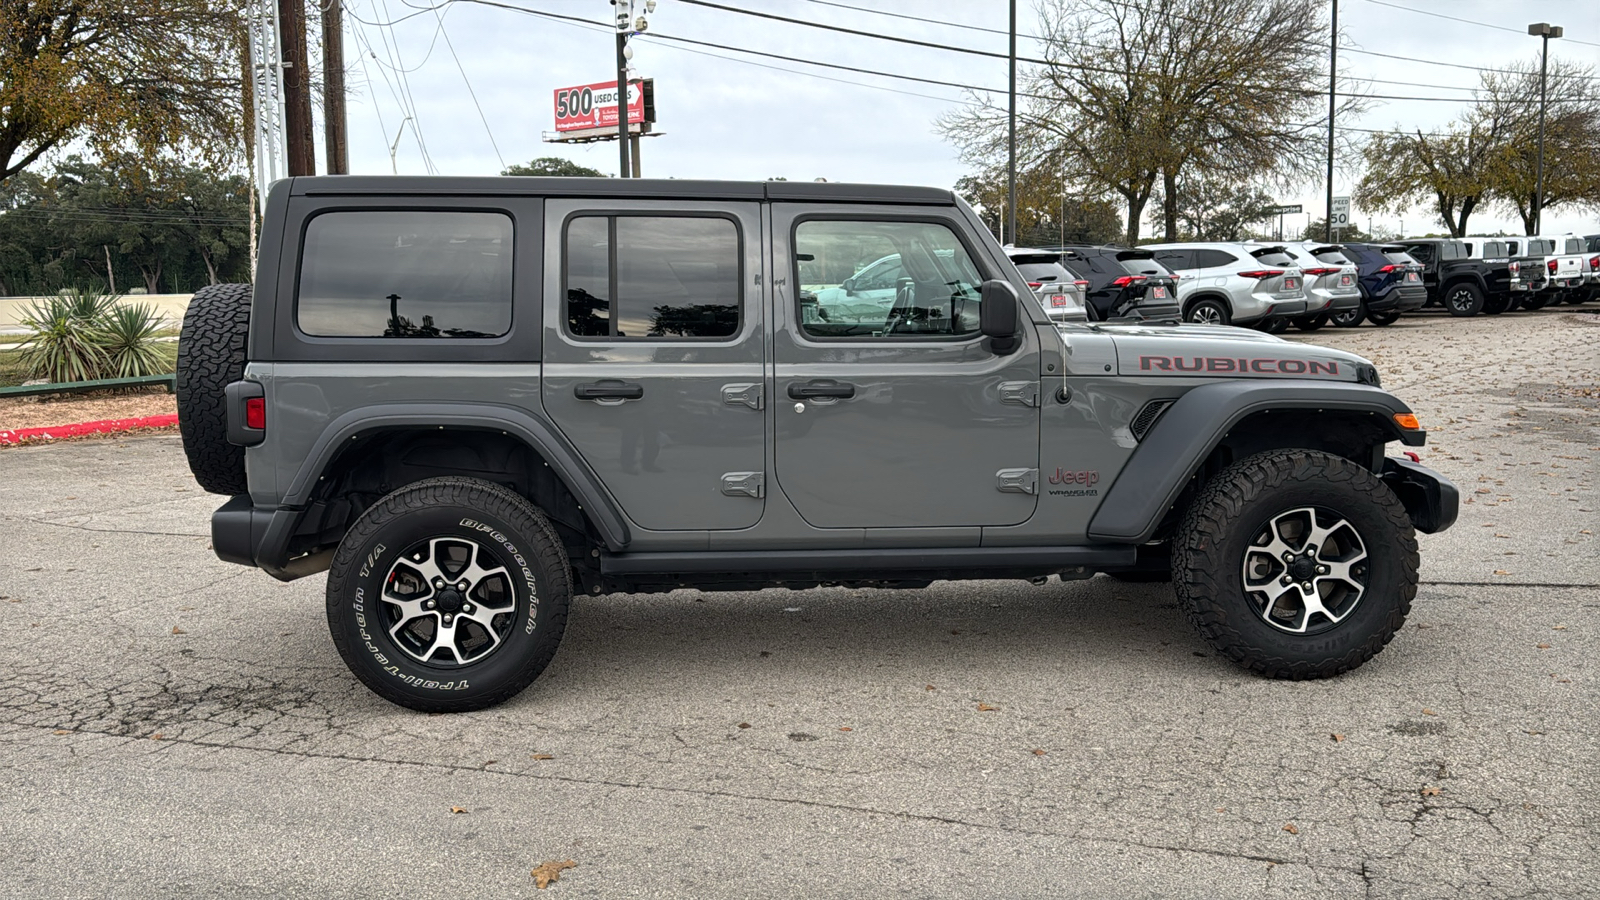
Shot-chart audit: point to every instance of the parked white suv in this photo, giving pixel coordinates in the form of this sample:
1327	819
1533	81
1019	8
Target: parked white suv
1222	283
1332	281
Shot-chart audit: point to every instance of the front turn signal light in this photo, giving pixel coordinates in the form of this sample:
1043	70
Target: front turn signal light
1407	421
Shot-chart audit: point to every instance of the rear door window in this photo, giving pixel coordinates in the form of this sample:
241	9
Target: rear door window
405	274
652	278
1176	260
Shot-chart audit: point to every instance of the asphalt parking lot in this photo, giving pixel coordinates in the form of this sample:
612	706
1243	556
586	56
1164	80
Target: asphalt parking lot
176	726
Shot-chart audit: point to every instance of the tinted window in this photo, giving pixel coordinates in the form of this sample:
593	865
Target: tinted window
1142	265
652	277
406	274
1176	259
1423	252
1043	272
882	279
1273	258
1212	259
1452	250
1493	249
1398	257
1572	245
1333	257
1541	248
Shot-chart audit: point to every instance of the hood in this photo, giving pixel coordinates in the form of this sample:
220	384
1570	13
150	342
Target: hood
1202	351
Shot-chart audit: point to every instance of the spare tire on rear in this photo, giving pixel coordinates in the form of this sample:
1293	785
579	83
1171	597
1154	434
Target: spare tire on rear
211	355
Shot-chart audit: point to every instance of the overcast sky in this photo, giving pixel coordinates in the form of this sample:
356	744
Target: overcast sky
725	114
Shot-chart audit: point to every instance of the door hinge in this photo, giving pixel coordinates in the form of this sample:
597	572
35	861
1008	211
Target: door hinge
1022	393
749	395
1017	481
745	484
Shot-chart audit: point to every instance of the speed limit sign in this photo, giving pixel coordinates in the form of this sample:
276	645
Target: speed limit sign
1339	215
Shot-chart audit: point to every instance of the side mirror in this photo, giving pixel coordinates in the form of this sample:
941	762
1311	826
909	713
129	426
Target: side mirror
998	315
849	285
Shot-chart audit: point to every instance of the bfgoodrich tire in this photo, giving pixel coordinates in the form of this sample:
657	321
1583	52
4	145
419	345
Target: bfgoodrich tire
1329	528
211	355
447	595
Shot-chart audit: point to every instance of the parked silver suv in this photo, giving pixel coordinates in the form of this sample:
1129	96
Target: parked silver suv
1332	282
1234	284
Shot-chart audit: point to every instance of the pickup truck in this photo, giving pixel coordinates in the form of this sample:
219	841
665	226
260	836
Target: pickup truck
1463	283
1548	269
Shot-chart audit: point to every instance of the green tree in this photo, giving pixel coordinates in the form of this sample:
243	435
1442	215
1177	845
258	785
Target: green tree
1214	208
1571	137
553	165
1046	214
156	76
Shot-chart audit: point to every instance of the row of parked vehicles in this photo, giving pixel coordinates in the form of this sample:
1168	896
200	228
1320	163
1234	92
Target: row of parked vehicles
1310	284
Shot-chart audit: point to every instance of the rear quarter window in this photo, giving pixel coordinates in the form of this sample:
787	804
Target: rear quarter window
405	274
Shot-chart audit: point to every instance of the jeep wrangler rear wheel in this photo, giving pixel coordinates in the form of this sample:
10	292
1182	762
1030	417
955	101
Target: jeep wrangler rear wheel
1296	564
211	355
448	595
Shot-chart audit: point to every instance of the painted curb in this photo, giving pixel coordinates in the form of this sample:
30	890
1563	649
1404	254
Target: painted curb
104	426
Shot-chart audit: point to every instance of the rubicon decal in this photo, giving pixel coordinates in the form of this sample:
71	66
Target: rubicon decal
1238	364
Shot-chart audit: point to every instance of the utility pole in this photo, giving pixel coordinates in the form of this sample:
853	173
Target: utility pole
1333	70
335	126
1011	164
297	88
1546	31
624	25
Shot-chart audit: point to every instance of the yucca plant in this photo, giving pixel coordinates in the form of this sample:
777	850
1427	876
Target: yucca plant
127	334
64	344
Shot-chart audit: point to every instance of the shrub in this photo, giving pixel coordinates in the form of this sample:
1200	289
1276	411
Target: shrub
127	334
64	344
84	336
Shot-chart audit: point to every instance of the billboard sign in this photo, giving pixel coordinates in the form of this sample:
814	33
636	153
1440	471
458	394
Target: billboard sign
595	106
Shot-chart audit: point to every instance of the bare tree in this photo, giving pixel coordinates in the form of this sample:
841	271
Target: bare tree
1132	94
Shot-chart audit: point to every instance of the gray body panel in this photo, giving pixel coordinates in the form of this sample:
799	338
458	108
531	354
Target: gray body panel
913	461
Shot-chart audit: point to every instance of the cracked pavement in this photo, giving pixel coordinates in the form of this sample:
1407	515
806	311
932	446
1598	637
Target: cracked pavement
236	757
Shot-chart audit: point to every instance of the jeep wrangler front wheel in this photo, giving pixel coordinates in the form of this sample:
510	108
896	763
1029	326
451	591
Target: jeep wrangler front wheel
1296	564
449	595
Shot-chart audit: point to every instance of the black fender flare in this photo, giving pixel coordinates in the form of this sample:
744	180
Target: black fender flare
536	433
1176	446
1474	277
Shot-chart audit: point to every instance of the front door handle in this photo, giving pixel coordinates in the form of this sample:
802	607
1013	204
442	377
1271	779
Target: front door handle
821	390
609	390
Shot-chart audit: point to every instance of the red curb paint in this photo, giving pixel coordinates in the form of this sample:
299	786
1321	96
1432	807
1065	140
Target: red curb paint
104	426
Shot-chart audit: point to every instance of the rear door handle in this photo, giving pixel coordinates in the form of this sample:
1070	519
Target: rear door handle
609	390
821	390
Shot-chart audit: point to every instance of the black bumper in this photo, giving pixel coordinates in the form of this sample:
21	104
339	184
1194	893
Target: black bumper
247	536
1402	298
1431	499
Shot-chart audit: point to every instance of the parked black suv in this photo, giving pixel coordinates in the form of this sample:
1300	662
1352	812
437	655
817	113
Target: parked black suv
1462	284
1124	283
1391	284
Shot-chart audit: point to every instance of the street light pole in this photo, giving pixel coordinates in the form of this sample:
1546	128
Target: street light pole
1545	31
1333	68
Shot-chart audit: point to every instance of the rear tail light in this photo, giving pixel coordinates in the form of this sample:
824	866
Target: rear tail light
1387	269
1035	284
1320	271
1517	267
1594	262
255	413
1126	280
1262	273
1552	265
1084	285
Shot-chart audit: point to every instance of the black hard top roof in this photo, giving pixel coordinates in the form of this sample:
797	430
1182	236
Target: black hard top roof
643	188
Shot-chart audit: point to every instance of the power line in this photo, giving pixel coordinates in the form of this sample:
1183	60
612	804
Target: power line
1439	15
470	92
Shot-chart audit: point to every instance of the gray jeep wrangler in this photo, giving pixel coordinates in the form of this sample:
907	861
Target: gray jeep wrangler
469	399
